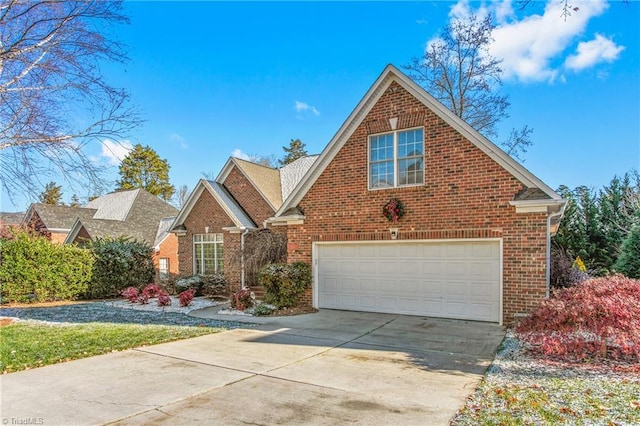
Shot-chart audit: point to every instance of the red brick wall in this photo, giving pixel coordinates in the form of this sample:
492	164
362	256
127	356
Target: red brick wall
248	196
168	249
207	212
465	195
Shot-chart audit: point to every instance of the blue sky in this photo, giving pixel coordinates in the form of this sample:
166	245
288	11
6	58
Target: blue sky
214	79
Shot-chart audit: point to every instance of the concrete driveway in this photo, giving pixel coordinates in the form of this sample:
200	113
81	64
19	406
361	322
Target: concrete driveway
332	367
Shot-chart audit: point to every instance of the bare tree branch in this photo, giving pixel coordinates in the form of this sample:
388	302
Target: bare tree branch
458	70
54	100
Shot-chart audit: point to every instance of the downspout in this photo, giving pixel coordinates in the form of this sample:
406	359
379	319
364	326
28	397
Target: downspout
246	231
548	273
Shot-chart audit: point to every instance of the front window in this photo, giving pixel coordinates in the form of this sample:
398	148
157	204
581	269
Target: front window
163	268
207	253
396	159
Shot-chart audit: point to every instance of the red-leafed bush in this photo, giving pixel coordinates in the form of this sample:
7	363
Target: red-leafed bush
596	319
186	297
164	299
131	294
143	298
243	299
152	290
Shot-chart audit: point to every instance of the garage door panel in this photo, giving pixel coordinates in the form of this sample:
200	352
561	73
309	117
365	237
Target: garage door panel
431	268
443	279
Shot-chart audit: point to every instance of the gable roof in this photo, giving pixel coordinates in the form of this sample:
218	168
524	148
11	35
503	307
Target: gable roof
237	215
266	180
136	214
57	218
164	230
389	75
11	218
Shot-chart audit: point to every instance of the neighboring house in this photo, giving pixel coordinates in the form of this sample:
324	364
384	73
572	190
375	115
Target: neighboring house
133	214
54	222
473	242
9	220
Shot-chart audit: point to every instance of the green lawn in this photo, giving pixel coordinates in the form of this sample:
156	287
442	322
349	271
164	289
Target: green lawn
24	346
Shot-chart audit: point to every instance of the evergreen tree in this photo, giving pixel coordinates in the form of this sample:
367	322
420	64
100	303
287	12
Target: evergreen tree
52	194
75	201
628	262
295	150
143	168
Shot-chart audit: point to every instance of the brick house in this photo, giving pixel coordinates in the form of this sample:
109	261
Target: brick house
219	214
474	239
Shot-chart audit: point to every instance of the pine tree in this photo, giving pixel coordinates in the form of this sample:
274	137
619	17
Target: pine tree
52	194
629	261
295	150
143	168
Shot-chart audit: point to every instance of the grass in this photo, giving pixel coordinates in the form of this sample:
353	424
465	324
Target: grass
554	401
26	346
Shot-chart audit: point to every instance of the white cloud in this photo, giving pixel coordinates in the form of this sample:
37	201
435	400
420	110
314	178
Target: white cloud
305	107
114	151
533	48
237	153
590	53
178	139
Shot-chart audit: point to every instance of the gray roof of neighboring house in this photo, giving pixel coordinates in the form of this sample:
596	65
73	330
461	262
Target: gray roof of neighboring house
58	217
114	206
10	218
231	204
293	173
136	214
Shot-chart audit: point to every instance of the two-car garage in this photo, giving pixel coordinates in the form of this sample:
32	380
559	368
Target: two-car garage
458	279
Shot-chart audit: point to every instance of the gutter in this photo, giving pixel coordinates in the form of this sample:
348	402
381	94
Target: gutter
242	280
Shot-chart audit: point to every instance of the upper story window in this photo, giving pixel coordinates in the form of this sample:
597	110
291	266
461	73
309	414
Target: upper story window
207	253
396	159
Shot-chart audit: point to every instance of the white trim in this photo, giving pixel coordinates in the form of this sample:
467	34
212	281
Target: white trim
389	75
228	167
539	206
216	242
316	244
193	199
395	160
73	232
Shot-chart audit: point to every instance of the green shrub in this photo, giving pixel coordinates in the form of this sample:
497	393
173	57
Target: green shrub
33	269
284	283
204	285
263	310
120	263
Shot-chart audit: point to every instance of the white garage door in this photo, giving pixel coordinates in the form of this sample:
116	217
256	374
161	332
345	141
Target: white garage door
442	279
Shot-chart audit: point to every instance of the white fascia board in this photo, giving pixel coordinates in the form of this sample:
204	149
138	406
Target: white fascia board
294	219
73	232
226	169
186	209
539	206
339	139
234	229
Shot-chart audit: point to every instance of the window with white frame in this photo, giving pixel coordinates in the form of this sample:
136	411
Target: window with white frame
163	268
396	159
207	253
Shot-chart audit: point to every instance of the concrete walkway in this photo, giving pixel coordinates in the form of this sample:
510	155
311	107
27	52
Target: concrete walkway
332	367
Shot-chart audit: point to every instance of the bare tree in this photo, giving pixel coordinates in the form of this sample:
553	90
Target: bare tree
53	98
181	196
458	70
